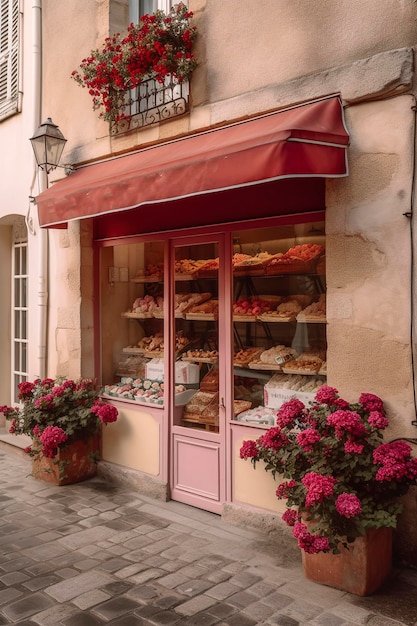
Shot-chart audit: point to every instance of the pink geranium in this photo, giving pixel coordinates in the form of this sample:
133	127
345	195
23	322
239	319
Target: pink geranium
248	449
51	438
106	413
335	473
312	544
289	412
318	487
346	422
348	505
307	438
326	395
55	413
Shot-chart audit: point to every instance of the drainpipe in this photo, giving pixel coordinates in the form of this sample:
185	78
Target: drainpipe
42	234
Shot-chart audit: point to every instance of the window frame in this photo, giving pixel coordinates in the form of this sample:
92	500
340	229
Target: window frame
135	11
10	38
20	315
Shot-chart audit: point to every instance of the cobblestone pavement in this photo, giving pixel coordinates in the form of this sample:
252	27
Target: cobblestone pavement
99	553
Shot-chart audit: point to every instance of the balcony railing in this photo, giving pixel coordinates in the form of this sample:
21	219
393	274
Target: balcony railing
152	102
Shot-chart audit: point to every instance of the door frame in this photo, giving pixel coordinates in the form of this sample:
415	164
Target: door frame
209	447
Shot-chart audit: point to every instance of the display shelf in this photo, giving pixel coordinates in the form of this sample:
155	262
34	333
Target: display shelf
137	316
185	277
191	359
310	319
245	372
267	329
201	317
302	372
274	319
146	279
244	318
129	350
260	365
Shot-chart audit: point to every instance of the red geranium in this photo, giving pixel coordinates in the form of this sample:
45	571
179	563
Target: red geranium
158	46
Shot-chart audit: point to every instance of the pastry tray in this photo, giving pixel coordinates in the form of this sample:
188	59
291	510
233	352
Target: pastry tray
295	267
201	316
252	353
244	318
267	317
200	359
260	365
146	279
311	319
306	372
133	350
137	316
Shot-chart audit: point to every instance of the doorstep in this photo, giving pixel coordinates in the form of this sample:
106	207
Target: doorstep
14	443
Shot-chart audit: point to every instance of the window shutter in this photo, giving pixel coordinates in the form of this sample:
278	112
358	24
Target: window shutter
9	57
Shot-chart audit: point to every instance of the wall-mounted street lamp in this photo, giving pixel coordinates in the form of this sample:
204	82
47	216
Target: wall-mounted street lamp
48	144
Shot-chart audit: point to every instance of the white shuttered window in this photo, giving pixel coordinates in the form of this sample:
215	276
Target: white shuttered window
9	57
137	8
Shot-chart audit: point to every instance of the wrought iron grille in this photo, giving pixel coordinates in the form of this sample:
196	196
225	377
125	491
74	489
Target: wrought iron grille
152	102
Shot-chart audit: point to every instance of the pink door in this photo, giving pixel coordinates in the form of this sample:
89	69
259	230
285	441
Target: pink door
199	368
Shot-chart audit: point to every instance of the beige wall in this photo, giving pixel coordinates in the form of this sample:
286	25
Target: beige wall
255	58
252	485
286	51
249	46
368	260
133	441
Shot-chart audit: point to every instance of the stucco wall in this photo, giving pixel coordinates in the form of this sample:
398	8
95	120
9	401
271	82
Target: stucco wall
369	260
133	441
249	46
278	54
252	485
241	69
255	58
282	52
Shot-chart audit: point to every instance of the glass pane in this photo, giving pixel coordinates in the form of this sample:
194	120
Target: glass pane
17	324
24	292
24	324
132	324
24	259
146	6
17	292
24	357
196	329
17	380
279	317
17	268
17	364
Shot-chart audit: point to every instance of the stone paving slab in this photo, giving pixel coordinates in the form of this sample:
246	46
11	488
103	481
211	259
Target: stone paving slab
98	553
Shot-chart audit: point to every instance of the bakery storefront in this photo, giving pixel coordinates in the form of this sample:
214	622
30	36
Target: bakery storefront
209	274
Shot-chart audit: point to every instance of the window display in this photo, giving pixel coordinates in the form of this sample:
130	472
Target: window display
278	303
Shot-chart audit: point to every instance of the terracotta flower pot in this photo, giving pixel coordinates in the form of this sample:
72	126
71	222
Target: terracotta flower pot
73	463
360	570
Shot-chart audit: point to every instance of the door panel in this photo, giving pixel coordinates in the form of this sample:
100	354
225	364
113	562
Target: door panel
193	457
198	414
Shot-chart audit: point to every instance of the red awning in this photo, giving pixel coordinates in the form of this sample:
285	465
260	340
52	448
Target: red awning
306	141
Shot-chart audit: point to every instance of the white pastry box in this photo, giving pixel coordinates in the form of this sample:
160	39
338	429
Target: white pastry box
275	396
185	373
155	369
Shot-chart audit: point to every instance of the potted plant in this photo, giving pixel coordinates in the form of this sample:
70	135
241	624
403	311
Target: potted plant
341	484
63	417
160	45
